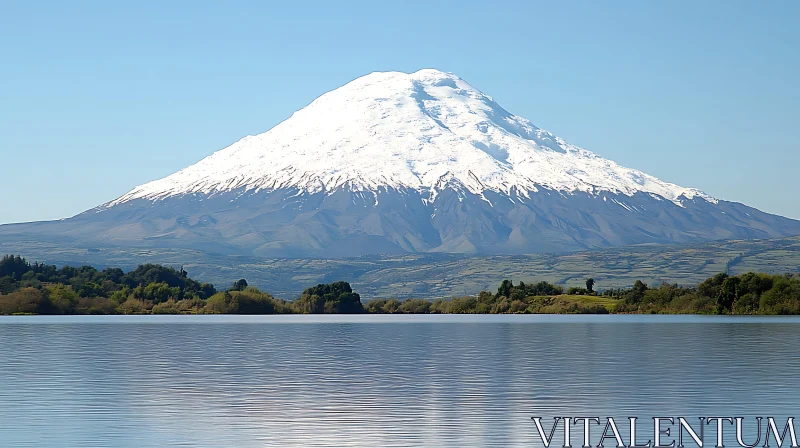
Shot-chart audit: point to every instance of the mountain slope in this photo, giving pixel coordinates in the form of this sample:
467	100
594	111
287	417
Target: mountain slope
398	163
419	131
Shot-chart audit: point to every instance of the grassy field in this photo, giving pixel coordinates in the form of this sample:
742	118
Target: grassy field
555	304
606	302
434	275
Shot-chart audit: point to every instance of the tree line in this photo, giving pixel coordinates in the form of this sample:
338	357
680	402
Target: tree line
36	288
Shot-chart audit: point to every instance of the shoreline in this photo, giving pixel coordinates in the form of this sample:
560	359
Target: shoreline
397	319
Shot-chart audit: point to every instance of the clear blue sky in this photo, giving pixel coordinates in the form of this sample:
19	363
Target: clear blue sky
99	96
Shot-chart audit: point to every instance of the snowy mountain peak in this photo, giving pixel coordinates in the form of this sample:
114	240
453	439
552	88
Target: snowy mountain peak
420	131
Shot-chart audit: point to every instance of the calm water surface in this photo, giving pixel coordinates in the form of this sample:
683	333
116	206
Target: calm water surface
377	381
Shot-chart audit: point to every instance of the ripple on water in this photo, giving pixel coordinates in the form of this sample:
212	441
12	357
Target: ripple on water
347	383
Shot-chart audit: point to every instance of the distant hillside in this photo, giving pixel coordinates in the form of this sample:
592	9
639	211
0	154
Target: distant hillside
430	276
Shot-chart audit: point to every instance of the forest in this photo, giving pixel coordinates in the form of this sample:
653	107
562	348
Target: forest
37	288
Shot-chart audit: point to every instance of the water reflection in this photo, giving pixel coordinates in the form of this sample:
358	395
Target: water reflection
222	383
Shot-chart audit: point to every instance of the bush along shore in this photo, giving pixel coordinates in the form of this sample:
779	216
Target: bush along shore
35	288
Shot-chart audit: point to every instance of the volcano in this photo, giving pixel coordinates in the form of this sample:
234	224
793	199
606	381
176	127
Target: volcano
404	163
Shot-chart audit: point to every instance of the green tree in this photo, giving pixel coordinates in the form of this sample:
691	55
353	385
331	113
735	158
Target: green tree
207	290
505	288
711	286
310	304
253	301
391	306
636	294
727	293
24	301
337	297
168	307
157	292
416	306
222	303
546	289
590	285
782	298
62	299
121	295
239	285
131	306
486	297
14	266
463	305
375	306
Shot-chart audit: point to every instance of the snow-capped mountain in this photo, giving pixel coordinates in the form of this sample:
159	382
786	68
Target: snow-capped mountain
418	131
396	162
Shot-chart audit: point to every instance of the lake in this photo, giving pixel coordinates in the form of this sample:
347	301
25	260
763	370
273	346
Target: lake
378	381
